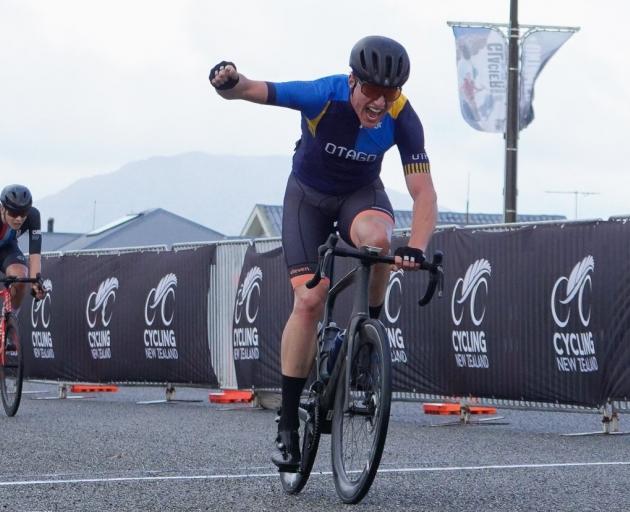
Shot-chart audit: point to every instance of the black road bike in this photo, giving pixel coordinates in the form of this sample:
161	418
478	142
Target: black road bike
353	401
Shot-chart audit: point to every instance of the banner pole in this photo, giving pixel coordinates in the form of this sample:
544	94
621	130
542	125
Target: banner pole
511	135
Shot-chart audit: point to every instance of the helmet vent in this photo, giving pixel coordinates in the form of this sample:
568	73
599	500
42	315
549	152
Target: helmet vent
363	63
388	65
400	66
374	61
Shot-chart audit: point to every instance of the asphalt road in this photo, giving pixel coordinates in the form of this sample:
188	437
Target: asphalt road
110	453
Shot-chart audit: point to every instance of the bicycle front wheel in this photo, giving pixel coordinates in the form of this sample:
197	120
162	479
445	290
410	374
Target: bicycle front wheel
12	368
359	433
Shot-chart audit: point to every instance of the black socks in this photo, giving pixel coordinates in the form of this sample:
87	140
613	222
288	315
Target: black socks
291	391
375	311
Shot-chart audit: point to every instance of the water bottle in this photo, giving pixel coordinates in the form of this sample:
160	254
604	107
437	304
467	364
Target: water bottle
335	350
331	343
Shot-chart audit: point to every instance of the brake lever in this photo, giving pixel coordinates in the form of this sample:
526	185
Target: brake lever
436	279
440	282
324	253
317	277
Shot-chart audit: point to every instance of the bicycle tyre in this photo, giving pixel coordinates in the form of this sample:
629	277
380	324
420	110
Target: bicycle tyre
12	371
354	469
309	412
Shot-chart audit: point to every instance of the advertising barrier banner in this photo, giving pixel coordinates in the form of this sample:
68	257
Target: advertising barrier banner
540	313
263	304
139	317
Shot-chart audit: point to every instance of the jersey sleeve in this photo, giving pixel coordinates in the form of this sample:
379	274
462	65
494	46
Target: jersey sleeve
409	137
34	231
307	97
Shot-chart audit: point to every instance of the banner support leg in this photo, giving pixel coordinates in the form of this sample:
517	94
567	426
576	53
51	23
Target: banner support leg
169	397
610	423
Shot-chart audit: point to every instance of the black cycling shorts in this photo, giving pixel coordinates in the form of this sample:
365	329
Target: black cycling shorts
10	254
310	216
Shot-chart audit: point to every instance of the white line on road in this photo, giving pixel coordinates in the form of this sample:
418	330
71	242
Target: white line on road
275	474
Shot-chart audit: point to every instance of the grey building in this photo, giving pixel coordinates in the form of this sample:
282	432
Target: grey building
150	227
266	220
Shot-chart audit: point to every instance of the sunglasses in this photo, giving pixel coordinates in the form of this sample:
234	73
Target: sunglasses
15	215
374	92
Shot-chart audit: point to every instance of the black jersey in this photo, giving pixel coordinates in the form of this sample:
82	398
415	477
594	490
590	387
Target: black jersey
32	224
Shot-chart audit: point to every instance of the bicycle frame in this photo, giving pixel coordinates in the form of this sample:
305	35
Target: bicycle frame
359	275
7	308
7	305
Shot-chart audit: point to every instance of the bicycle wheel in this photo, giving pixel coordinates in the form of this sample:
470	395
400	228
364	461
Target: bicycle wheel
11	371
309	413
358	435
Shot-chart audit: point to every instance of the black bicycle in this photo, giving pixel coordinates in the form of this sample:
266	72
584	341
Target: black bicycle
351	397
11	359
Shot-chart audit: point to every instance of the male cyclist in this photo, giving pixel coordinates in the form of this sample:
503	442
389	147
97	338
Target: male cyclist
16	217
348	123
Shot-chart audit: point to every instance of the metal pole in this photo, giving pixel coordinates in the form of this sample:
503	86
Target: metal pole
468	198
512	124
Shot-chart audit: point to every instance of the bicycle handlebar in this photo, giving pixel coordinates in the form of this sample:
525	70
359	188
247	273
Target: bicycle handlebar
9	280
329	249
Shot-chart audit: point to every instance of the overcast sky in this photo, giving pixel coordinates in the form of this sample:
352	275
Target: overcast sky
87	86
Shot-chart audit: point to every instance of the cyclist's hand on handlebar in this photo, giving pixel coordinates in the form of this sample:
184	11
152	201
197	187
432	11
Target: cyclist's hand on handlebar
38	291
408	258
224	76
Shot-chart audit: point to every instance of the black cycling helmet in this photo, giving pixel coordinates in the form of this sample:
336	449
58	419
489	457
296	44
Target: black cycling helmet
381	61
17	199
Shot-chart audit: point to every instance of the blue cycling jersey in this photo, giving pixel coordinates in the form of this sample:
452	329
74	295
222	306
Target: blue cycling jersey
336	155
32	224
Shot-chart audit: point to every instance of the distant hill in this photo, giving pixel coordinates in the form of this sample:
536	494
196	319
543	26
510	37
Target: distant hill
218	191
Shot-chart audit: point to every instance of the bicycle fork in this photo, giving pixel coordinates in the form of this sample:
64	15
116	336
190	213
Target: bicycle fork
360	312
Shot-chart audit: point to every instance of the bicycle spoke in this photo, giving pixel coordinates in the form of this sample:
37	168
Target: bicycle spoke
359	433
359	423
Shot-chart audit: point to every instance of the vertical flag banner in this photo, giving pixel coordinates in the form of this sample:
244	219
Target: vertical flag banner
537	47
482	55
482	76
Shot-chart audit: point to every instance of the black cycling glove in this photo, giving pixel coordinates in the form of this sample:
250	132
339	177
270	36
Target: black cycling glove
410	253
227	85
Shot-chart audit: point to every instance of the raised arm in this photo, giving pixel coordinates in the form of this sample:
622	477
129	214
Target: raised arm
232	85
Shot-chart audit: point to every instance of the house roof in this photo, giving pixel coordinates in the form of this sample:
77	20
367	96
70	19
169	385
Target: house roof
403	218
266	220
151	227
51	241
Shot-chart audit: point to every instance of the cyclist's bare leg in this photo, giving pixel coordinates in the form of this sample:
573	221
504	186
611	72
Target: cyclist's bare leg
297	354
298	338
18	290
375	229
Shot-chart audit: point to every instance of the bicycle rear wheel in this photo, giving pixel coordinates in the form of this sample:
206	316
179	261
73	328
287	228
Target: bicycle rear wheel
358	435
309	413
11	371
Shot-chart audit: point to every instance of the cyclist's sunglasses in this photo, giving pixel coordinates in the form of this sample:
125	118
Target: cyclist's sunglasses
13	214
374	92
